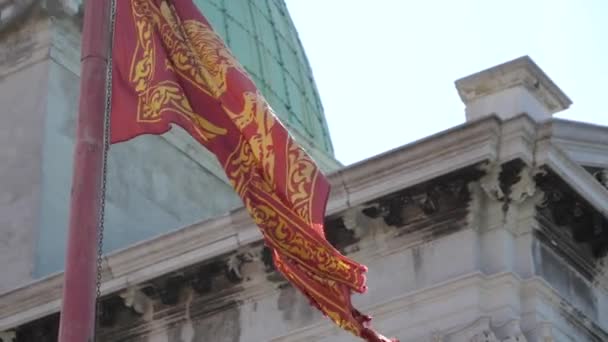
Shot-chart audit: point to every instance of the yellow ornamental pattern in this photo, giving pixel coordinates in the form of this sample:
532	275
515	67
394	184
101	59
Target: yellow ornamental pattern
239	167
294	240
258	120
142	64
198	51
330	295
301	175
164	96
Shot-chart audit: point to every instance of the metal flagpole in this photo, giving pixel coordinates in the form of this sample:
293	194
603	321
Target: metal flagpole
79	291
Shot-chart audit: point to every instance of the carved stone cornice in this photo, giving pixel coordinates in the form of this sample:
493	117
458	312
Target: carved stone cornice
584	143
365	182
426	204
145	261
577	178
417	163
226	280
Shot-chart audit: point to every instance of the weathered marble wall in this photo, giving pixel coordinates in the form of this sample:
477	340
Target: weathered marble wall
153	185
23	96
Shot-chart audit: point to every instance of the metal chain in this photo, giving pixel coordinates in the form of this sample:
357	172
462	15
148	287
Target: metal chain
104	176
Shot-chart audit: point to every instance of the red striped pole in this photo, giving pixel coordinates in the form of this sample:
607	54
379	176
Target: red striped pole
79	291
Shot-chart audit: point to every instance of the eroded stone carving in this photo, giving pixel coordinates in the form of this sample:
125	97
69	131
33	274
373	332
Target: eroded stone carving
428	202
361	224
490	182
478	331
525	187
510	332
602	177
356	221
543	332
245	265
72	7
137	300
601	279
437	336
484	336
390	209
415	204
202	280
8	336
233	266
170	289
483	330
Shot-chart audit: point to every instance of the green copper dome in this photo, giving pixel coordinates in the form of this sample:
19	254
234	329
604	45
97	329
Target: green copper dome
262	36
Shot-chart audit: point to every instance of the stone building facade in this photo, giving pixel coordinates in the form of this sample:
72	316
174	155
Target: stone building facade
494	230
156	183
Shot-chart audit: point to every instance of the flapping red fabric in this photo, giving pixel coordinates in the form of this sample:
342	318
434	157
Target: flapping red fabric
170	67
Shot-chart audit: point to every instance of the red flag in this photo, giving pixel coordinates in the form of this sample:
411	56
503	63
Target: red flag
170	67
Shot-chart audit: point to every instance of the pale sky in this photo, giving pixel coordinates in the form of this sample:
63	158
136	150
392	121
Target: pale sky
385	69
